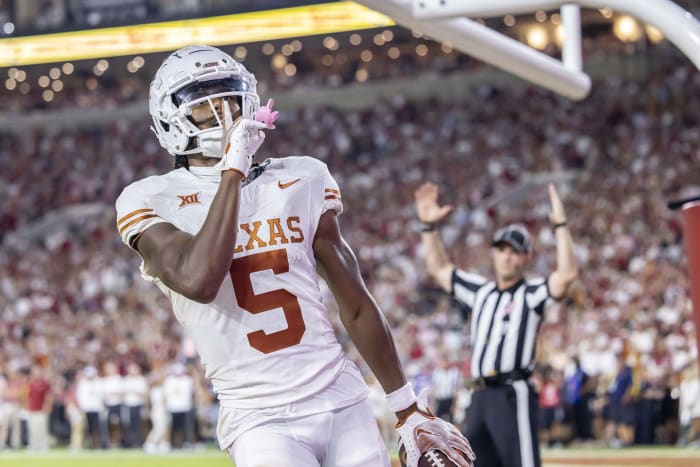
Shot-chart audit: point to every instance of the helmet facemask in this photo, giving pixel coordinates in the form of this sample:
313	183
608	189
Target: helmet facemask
199	112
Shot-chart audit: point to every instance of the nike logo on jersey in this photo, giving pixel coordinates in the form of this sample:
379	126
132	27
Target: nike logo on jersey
287	185
189	199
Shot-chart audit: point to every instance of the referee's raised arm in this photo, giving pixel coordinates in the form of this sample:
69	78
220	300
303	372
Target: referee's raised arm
566	270
430	213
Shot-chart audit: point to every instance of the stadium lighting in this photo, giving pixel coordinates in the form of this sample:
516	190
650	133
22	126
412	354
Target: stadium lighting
537	38
241	53
606	12
627	29
256	26
653	34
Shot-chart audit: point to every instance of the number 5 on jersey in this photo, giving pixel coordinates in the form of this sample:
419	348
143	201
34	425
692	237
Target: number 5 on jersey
278	262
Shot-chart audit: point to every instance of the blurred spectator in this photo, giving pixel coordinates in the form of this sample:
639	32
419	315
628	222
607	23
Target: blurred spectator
39	398
579	389
158	440
179	402
446	381
13	397
90	398
113	394
551	409
74	414
690	406
135	394
59	425
623	409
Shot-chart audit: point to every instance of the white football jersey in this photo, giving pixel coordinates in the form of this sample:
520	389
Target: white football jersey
266	339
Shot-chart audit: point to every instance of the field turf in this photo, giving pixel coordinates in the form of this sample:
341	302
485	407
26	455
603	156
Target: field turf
643	457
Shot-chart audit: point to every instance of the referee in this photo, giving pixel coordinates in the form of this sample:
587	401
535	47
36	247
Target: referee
505	316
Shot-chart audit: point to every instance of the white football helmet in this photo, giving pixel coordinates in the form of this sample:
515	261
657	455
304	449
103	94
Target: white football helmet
189	77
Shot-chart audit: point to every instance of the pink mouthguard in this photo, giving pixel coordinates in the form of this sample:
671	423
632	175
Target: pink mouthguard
266	115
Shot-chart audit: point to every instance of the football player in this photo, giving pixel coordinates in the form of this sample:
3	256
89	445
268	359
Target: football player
238	251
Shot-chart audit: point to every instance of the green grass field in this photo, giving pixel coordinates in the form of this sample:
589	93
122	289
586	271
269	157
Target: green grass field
114	458
210	457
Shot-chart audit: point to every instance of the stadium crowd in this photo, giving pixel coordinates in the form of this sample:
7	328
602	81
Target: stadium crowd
87	347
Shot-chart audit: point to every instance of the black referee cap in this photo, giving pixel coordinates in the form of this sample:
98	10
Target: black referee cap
515	235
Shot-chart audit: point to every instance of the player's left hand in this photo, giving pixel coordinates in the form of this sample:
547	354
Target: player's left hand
420	432
557	214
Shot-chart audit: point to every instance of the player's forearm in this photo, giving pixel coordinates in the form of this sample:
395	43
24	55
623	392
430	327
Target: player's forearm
206	262
371	335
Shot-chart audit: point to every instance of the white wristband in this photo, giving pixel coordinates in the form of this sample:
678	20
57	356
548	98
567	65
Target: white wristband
402	398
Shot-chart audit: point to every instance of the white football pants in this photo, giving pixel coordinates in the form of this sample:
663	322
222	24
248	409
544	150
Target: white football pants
346	437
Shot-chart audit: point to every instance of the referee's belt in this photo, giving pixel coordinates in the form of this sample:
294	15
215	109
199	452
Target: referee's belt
501	379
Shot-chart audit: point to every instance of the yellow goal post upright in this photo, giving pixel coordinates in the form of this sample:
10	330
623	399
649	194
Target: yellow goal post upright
450	21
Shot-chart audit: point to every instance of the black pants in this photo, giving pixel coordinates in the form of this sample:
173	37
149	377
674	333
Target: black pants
132	426
114	424
502	426
582	418
181	428
443	408
97	431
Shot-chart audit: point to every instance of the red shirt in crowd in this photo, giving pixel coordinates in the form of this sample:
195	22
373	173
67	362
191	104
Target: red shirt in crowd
38	392
549	396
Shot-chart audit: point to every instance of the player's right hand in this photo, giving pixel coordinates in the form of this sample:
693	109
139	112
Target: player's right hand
420	432
241	140
429	211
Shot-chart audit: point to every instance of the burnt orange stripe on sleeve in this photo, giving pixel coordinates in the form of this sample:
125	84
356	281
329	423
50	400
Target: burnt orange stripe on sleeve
134	221
133	213
332	197
330	190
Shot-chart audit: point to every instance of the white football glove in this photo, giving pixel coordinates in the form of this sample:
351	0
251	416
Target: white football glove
241	140
421	431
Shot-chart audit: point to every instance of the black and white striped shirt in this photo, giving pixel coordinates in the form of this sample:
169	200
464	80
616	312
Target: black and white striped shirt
504	323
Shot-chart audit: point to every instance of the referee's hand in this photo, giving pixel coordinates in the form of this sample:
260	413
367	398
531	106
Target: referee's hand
557	214
429	211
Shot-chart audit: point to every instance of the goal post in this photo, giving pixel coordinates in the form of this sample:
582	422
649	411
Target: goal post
449	21
492	47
